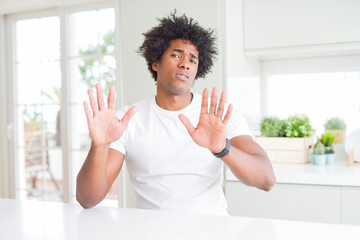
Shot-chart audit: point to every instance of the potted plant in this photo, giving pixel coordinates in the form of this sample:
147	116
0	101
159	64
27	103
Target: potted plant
327	139
336	126
286	141
273	127
318	157
298	126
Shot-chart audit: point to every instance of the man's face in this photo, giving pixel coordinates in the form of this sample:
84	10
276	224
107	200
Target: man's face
177	68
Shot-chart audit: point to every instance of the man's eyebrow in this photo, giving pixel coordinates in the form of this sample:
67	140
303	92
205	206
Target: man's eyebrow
182	51
193	55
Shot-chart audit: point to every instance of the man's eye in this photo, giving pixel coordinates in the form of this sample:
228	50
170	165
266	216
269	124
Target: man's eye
192	61
175	55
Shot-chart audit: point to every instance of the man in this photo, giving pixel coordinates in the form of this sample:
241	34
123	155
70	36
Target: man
175	142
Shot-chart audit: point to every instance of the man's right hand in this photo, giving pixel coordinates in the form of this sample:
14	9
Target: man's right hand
104	126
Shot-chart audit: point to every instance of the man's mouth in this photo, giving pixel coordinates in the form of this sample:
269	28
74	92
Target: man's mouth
182	76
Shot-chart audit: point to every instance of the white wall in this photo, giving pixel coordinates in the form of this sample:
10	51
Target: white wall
3	181
243	73
137	17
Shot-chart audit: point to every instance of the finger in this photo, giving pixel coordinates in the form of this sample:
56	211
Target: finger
221	106
213	101
187	124
204	104
111	99
100	96
92	101
128	115
87	111
228	114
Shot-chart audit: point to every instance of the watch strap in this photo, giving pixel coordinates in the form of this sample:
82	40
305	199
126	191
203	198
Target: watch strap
224	152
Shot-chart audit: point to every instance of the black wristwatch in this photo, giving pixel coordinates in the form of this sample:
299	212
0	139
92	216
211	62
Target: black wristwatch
224	152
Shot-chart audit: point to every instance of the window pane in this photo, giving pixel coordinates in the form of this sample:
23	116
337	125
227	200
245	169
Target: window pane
91	61
78	158
106	27
79	135
38	82
31	47
92	32
84	32
39	157
107	72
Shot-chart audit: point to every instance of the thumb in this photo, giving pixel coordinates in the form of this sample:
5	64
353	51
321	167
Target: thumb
187	124
128	115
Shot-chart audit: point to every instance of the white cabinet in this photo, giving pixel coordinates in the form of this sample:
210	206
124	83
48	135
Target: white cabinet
303	192
301	24
286	201
350	205
301	202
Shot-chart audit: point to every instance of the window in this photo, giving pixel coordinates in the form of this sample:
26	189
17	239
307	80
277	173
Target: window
320	87
57	58
319	95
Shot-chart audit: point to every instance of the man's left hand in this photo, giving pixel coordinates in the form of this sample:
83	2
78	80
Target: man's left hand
211	130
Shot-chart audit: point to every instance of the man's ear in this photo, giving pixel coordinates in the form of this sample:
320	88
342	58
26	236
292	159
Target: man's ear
155	66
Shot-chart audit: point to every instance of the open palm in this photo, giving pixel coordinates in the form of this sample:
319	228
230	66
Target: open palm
211	130
104	126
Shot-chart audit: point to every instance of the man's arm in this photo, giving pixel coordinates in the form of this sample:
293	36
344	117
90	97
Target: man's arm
102	164
98	173
246	159
249	163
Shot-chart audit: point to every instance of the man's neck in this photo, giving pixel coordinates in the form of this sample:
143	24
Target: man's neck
173	102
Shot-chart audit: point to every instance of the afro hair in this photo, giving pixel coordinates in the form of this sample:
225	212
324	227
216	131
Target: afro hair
157	40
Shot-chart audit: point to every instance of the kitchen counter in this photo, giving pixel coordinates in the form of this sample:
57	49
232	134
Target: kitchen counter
43	220
339	174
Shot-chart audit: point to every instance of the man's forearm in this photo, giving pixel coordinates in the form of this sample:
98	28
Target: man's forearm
92	183
252	169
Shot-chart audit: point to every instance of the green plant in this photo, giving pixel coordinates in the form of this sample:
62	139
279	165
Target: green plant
319	147
298	126
272	127
335	123
328	139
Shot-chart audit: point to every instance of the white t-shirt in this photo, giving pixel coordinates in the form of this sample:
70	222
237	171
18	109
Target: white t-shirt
169	171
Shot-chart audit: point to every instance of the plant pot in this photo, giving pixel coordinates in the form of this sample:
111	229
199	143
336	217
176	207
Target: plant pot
286	149
330	158
329	150
318	159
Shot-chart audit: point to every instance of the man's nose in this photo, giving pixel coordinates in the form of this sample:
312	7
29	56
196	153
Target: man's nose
184	63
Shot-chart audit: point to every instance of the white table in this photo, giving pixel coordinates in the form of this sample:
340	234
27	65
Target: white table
44	220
